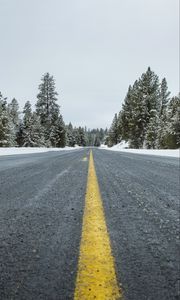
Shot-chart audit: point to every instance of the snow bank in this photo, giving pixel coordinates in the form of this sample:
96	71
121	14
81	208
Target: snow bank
164	152
28	150
103	146
120	146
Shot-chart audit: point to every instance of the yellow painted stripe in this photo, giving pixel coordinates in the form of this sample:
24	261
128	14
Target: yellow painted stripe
96	278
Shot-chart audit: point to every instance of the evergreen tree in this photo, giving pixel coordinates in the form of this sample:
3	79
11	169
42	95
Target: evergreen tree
81	137
91	137
95	137
151	138
27	123
70	136
58	133
27	111
148	93
113	132
147	119
141	100
126	116
46	107
20	134
119	127
164	96
163	117
97	141
175	120
13	109
33	134
7	133
171	134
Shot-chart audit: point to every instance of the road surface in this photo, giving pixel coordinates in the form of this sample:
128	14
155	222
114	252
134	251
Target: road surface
42	199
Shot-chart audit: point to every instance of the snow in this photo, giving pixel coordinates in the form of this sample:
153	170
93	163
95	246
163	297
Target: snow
29	150
102	146
160	152
121	145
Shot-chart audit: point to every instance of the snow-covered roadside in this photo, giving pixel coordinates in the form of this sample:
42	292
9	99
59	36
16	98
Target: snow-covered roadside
164	152
28	150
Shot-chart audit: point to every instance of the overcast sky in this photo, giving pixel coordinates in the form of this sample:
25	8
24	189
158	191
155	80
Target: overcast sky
93	48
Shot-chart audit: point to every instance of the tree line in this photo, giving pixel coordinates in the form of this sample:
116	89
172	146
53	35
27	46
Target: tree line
149	117
43	127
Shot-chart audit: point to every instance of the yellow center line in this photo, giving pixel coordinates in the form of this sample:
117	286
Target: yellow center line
96	278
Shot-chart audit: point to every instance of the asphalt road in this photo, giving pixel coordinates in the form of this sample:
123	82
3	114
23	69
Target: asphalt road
41	209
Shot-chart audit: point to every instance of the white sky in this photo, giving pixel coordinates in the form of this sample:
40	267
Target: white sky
93	48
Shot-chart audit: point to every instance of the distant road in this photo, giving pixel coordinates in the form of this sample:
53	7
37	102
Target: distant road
42	199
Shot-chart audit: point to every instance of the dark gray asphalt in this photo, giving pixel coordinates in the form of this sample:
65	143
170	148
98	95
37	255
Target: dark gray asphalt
41	209
141	203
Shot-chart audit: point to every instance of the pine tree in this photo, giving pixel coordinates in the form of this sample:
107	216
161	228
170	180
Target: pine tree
97	141
58	133
37	131
91	136
163	117
7	133
150	99
27	111
20	134
132	116
141	100
46	107
171	136
164	96
175	120
70	136
120	127
33	134
13	109
27	123
82	140
151	138
126	116
113	132
147	119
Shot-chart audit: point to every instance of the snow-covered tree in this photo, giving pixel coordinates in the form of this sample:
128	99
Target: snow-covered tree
164	96
13	109
151	137
46	107
7	132
33	134
171	136
142	99
163	116
70	136
27	111
58	133
20	134
148	93
132	116
82	136
113	135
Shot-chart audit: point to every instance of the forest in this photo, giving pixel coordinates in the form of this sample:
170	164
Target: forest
149	118
44	126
